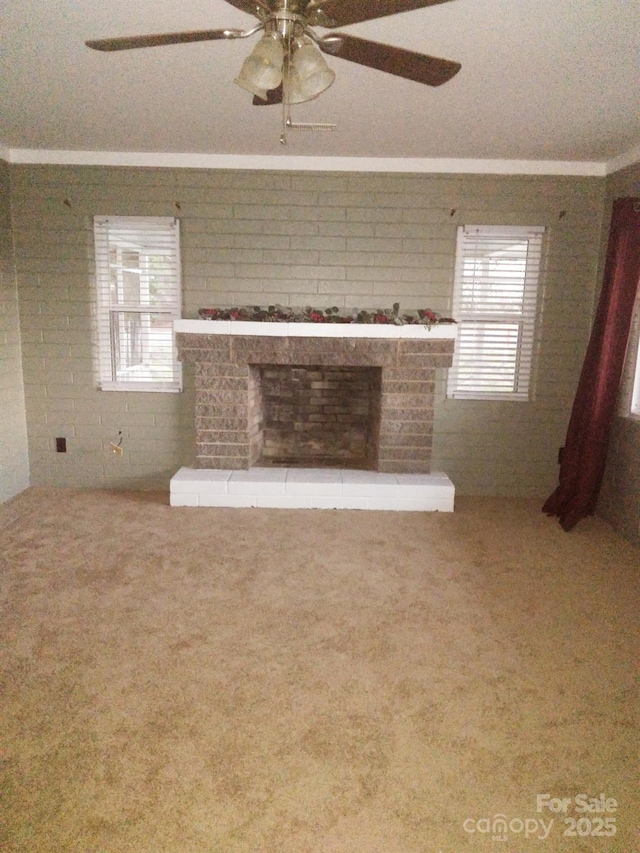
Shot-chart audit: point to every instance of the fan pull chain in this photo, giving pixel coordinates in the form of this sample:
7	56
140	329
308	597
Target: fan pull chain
286	117
286	108
287	123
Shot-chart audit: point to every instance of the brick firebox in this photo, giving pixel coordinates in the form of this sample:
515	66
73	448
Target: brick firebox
319	416
230	370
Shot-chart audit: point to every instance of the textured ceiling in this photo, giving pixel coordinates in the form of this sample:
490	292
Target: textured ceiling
540	80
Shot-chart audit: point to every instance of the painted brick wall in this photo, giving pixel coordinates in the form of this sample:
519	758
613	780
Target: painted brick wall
14	463
296	238
620	496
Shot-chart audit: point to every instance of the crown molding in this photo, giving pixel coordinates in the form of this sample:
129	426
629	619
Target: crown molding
315	164
631	158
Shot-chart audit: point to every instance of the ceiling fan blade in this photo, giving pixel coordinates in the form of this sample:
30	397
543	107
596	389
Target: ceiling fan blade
251	6
129	42
394	60
339	13
274	96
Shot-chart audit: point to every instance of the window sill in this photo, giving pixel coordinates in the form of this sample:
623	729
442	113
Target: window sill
145	387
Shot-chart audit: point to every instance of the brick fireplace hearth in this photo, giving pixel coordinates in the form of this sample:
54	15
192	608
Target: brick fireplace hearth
273	399
231	416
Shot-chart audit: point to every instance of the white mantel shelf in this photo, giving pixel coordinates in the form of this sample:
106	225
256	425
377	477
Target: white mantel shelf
444	331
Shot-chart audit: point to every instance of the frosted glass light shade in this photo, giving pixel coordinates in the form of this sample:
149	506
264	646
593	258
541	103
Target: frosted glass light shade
293	90
312	72
262	69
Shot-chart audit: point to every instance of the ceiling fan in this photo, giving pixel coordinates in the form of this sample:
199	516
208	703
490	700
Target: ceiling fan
285	66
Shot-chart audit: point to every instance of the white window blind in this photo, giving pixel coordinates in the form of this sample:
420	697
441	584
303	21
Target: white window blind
138	284
495	302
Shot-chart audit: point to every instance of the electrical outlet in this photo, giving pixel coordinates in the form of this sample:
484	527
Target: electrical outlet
61	445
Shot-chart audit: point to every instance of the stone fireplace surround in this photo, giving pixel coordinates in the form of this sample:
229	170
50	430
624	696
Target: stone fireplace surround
231	359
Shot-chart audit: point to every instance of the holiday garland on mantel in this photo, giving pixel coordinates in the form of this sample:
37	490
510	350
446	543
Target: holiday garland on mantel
285	314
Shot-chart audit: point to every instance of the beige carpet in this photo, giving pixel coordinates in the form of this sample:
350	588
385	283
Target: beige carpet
222	681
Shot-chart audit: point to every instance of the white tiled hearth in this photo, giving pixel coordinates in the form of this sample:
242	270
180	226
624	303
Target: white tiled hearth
312	488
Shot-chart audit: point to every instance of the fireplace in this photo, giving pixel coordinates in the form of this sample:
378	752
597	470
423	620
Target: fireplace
271	397
323	416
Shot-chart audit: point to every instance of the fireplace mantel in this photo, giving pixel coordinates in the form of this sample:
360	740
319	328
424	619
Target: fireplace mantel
439	331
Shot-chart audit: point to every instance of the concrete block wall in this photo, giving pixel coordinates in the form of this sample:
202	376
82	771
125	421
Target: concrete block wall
254	237
14	460
619	500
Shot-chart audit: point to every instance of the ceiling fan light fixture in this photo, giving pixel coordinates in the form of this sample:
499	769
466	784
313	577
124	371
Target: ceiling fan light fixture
262	69
287	66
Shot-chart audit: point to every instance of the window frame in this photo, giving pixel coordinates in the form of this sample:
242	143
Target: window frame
108	235
472	247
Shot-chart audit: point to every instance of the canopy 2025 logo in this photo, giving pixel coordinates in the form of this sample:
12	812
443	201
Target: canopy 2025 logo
583	816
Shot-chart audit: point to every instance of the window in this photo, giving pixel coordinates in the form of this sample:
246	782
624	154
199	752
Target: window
495	301
138	282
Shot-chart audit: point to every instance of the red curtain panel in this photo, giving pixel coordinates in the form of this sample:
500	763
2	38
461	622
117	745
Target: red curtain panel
585	449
